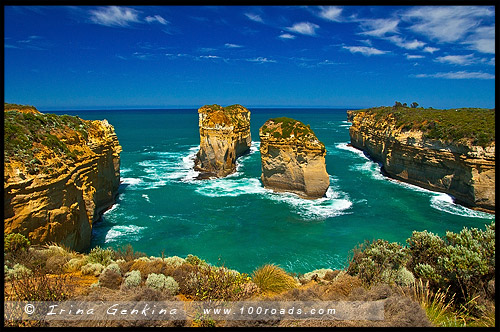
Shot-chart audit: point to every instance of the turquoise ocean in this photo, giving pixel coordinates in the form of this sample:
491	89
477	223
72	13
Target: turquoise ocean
237	223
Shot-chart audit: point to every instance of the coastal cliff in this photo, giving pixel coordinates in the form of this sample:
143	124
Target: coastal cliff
224	136
60	174
451	151
293	159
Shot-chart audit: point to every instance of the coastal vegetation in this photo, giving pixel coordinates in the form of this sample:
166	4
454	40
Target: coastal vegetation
449	278
461	125
283	127
29	136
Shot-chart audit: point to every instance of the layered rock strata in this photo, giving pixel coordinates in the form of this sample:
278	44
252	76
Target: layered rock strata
224	136
463	170
293	159
59	176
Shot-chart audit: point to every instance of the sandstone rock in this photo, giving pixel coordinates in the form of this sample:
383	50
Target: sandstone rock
465	171
224	136
74	181
293	159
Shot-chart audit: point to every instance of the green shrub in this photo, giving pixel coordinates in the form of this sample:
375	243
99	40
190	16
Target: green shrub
92	269
113	267
17	271
465	260
271	278
174	261
161	282
100	256
404	277
15	242
132	279
217	283
74	264
377	261
194	260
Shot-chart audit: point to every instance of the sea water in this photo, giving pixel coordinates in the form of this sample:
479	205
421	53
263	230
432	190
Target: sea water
234	221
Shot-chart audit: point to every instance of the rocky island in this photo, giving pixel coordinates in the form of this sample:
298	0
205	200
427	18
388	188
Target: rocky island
224	136
60	174
293	159
451	151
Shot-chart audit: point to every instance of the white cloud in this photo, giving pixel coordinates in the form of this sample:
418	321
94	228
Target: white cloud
379	27
331	13
114	16
459	75
286	36
409	45
261	60
446	23
482	40
254	17
156	18
463	60
431	50
304	28
365	50
229	45
412	56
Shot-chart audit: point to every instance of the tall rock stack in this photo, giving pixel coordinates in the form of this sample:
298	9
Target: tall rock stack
224	136
293	159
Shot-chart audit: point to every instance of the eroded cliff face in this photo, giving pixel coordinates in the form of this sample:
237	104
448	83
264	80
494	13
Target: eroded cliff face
463	170
224	136
58	186
293	159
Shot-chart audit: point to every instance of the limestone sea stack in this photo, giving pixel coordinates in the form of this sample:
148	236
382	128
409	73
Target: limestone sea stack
293	159
224	136
450	151
61	173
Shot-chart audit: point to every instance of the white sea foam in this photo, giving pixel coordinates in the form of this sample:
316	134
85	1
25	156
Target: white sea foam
370	168
318	209
131	181
230	187
346	147
146	197
444	202
114	207
332	205
130	232
124	170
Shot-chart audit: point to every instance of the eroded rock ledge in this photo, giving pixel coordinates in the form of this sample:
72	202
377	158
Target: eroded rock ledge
61	173
293	159
460	168
224	136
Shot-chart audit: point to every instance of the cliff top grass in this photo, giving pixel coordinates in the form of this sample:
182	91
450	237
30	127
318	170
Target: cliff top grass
20	108
461	125
28	134
284	127
229	115
236	108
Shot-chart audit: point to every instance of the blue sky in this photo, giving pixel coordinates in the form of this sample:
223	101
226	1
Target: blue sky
66	57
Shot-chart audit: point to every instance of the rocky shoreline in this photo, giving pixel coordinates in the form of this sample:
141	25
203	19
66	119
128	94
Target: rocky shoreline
462	169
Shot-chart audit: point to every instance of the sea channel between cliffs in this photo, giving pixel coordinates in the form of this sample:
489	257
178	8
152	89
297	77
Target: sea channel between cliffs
234	221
